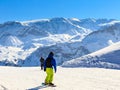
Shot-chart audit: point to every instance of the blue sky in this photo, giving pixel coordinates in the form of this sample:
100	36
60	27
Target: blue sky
23	10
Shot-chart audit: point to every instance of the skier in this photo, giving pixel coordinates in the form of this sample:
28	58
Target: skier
42	62
49	64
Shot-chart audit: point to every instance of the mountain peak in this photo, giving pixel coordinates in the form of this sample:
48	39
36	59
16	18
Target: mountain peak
10	23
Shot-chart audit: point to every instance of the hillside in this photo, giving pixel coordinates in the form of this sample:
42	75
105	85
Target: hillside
102	38
108	57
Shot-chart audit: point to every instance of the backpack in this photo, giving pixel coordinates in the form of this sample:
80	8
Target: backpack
48	62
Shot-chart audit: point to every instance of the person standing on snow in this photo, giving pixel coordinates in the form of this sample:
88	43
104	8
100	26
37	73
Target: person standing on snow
42	62
49	64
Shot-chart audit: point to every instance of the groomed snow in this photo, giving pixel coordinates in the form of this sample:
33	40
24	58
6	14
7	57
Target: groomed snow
30	78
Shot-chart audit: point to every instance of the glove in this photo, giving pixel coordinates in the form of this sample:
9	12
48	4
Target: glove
44	69
55	71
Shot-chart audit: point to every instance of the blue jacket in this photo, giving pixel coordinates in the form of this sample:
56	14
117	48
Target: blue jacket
53	62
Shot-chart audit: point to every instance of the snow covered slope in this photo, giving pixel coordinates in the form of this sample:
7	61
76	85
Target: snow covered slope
93	24
11	41
108	57
62	51
13	56
30	78
102	38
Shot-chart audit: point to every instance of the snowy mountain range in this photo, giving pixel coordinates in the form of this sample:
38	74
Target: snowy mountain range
23	43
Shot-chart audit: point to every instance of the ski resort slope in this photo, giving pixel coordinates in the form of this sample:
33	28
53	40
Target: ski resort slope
30	78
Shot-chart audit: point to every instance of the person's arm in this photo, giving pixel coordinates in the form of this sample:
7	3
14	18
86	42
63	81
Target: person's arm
54	64
45	65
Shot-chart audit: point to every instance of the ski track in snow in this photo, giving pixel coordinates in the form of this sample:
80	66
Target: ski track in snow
2	87
30	78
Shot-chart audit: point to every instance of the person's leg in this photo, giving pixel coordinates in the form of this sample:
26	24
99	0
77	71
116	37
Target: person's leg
51	75
47	79
42	66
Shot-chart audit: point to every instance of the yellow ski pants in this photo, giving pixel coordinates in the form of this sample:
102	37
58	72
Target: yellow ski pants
50	74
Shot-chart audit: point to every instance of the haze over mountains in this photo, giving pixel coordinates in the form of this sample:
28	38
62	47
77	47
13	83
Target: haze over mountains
23	43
